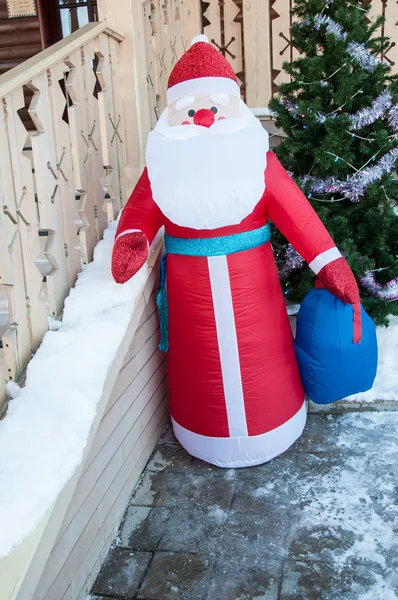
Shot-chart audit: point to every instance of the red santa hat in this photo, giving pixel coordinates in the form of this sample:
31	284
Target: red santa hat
201	70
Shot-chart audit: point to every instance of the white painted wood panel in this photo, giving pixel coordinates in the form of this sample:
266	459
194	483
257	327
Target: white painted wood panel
124	442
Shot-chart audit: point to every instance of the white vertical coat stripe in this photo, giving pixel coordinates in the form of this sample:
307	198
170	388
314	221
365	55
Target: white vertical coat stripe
228	345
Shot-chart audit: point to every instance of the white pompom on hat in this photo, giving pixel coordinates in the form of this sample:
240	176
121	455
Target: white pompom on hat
200	38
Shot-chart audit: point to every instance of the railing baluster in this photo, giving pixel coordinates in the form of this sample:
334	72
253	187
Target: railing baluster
66	189
11	267
79	131
96	161
109	129
47	179
27	214
152	43
119	143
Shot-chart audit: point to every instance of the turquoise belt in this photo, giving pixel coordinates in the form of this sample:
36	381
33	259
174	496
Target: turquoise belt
217	246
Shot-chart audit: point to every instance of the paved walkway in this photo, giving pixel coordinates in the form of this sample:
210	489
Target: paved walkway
318	523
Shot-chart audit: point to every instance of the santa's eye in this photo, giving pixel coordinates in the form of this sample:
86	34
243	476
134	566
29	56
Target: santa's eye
214	110
191	113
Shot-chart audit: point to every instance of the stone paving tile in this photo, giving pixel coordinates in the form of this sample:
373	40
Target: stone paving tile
183	490
168	436
319	522
319	543
170	458
143	528
197	531
321	433
353	432
267	485
255	539
321	581
346	507
318	581
122	573
177	576
233	581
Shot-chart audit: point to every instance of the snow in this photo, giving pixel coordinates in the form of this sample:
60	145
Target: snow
347	500
386	383
45	431
13	389
354	500
262	111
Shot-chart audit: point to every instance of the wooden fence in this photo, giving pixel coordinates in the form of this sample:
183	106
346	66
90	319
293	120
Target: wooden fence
168	27
255	37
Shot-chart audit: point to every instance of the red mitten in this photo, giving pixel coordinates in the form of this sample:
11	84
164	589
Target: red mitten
129	254
339	280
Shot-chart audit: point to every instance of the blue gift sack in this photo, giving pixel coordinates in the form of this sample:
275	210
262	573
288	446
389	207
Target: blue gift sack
332	367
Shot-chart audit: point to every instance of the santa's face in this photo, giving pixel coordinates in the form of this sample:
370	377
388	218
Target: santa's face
203	109
206	161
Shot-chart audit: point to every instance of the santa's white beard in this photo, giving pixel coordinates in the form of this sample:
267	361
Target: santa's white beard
208	178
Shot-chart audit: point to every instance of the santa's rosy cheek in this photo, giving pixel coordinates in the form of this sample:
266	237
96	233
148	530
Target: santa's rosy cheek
185	123
221	119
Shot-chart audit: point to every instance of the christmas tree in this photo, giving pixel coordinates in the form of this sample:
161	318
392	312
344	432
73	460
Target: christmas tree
340	113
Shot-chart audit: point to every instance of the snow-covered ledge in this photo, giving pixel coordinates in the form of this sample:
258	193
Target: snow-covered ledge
50	426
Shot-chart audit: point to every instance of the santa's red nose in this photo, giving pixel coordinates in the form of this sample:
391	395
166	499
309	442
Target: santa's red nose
204	117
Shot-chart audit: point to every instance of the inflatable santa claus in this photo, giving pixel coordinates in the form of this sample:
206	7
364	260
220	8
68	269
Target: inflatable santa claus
235	390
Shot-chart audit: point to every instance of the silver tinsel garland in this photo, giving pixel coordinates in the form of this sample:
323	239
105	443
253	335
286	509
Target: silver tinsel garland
388	292
363	57
332	28
367	116
291	262
359	52
354	186
393	118
362	118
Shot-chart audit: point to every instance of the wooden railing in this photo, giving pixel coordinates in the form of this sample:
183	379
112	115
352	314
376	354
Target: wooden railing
61	181
67	165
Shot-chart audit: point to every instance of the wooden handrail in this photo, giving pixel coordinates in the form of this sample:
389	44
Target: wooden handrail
46	59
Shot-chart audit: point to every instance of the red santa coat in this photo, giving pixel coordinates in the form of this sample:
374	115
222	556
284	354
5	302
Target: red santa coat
235	390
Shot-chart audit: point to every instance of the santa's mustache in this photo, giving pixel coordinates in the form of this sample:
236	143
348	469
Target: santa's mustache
220	127
208	180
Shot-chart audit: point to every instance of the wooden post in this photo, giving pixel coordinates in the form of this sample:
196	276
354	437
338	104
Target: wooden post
282	50
66	190
16	346
24	193
80	131
47	186
125	16
256	22
192	19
